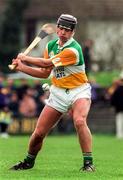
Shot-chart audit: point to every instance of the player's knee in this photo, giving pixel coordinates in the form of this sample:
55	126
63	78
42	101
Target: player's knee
80	122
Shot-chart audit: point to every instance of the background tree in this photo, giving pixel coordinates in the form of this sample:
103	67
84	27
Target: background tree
11	25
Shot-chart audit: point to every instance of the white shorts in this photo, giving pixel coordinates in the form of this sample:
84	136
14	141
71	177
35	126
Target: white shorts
62	99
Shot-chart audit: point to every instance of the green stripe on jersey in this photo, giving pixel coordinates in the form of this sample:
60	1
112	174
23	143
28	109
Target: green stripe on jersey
53	49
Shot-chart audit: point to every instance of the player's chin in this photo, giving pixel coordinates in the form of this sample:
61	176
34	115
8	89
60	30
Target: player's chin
62	38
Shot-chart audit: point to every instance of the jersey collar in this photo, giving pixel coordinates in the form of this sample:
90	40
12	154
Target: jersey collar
67	43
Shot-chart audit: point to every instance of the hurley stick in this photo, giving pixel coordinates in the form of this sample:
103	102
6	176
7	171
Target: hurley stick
46	30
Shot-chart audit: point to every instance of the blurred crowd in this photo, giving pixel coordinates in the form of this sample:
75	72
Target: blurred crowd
19	101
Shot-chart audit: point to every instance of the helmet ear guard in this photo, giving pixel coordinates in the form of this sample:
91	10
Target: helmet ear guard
67	21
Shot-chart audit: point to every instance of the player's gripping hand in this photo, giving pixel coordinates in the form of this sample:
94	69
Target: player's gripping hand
18	64
22	57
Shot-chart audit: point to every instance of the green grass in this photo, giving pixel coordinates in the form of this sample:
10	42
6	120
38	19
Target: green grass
105	78
61	159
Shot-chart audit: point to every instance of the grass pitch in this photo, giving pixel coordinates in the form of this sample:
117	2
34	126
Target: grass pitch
61	159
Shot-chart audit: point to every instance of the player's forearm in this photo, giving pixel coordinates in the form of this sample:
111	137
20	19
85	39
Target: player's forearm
41	62
35	72
33	60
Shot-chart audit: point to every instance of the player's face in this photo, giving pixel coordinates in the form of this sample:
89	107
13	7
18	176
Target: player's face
64	34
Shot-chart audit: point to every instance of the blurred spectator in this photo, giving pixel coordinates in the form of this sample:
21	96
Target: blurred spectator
5	120
112	88
87	54
97	91
22	88
10	84
7	92
27	105
117	103
14	105
41	102
38	87
3	97
2	78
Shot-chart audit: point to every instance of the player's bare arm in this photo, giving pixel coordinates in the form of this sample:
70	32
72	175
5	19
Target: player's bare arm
41	62
32	71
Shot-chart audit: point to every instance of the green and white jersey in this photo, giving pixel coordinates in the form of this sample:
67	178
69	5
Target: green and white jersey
69	70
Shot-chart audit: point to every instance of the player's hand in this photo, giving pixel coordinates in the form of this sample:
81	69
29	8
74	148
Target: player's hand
18	64
22	56
15	62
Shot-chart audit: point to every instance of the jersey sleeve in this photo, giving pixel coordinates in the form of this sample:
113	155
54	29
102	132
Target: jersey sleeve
45	54
66	57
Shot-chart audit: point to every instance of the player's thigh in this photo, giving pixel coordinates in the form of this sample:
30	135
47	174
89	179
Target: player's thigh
47	119
81	108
